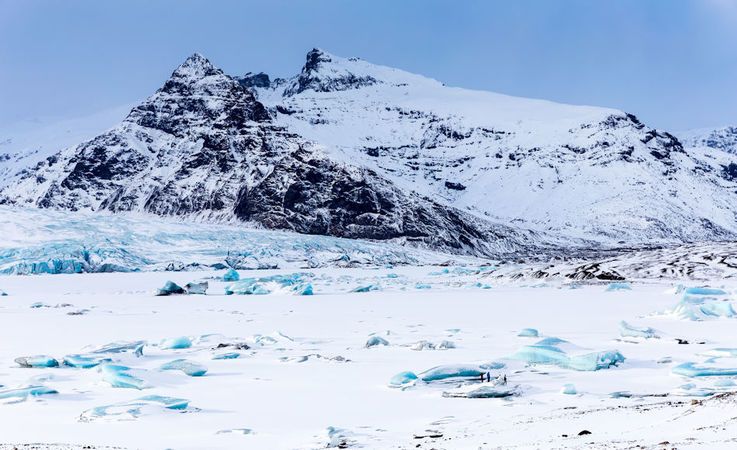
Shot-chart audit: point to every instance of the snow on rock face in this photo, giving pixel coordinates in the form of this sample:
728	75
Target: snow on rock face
583	171
203	147
724	139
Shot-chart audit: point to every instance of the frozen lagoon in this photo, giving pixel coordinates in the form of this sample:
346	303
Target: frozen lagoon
290	406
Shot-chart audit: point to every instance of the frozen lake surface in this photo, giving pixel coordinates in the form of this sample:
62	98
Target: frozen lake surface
289	371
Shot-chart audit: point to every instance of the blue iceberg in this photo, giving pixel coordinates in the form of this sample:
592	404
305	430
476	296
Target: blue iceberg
190	368
366	288
118	376
84	362
176	343
444	372
702	304
37	361
528	332
704	291
231	275
569	389
403	379
170	288
556	352
374	341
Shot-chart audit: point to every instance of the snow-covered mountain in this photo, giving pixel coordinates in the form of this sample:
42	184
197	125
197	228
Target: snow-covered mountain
724	138
573	170
352	149
202	147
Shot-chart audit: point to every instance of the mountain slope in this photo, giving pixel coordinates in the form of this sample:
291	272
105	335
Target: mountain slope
578	171
203	148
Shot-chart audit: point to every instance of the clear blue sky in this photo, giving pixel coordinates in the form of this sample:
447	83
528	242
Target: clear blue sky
671	62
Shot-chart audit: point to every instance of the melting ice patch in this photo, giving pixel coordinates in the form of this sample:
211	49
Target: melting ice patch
561	353
150	404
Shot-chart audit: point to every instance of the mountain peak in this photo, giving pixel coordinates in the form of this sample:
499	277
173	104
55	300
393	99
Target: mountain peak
314	58
195	66
324	72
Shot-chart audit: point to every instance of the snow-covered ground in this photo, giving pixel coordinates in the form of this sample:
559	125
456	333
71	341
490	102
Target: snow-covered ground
307	379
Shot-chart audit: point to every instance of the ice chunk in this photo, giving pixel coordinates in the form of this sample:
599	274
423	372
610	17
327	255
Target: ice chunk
569	389
295	283
528	332
704	291
134	409
3	293
374	341
627	330
422	286
228	355
118	376
690	369
120	347
445	345
23	393
366	288
84	361
725	383
176	343
191	368
452	371
231	275
700	307
196	288
37	361
618	287
422	345
403	379
483	391
170	288
555	351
